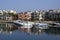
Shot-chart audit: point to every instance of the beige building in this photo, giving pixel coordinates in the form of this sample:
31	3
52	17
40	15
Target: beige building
5	15
41	15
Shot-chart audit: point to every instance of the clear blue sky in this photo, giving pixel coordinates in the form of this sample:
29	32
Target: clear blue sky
24	5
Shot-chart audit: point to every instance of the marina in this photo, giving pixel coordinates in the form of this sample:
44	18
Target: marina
10	31
29	20
41	25
24	24
36	25
28	24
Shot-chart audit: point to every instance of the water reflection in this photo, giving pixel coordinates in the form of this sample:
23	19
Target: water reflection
30	31
54	31
6	28
37	31
19	33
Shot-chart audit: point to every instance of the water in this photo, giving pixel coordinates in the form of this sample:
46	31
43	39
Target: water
9	31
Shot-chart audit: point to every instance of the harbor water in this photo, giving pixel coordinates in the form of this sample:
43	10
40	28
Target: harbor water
10	31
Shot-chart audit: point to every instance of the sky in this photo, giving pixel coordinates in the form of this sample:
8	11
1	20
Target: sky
29	5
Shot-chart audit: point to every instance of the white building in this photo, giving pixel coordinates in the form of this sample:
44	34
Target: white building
1	14
29	13
4	15
41	15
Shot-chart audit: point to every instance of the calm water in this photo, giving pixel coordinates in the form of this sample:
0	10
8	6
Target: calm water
9	31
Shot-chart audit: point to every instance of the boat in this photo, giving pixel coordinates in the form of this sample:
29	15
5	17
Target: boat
55	24
17	22
41	25
24	24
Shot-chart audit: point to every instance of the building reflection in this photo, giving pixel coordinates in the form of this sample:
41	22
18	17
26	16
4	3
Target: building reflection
55	31
37	31
7	28
31	31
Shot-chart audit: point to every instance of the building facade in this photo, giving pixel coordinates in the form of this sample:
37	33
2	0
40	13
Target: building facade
1	15
52	15
5	15
42	15
24	16
35	16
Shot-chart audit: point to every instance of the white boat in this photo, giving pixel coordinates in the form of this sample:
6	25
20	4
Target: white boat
17	21
41	25
56	24
25	24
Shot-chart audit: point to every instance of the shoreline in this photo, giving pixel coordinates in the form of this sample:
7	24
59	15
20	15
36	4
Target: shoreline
2	21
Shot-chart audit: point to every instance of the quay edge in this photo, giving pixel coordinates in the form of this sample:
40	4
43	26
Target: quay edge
6	21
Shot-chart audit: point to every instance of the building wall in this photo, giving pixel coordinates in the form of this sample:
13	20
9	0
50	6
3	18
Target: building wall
34	16
4	15
52	16
23	16
1	15
41	15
